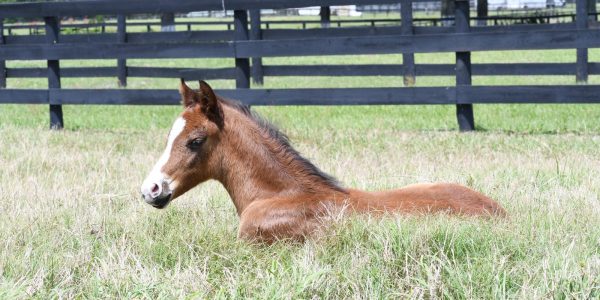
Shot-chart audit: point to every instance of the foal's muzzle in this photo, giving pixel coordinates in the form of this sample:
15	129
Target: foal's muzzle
160	202
157	194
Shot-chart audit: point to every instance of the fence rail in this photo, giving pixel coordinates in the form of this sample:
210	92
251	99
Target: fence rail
35	28
245	43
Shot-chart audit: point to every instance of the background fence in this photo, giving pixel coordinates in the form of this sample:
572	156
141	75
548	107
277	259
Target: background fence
245	43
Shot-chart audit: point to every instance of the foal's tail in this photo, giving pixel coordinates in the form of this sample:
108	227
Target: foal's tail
427	198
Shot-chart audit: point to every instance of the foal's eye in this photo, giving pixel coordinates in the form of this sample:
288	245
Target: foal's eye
195	144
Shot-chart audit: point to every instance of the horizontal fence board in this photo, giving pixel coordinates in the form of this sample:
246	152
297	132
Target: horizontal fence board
24	39
204	74
512	69
463	42
186	73
149	72
64	72
26	72
352	96
117	50
344	96
516	69
497	28
135	37
523	69
355	96
528	94
522	27
112	7
180	36
18	96
112	97
324	96
483	41
333	70
276	34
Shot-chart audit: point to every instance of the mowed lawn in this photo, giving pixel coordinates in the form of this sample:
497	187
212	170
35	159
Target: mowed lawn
73	225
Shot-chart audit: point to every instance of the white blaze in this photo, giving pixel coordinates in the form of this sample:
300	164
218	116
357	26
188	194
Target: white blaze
156	176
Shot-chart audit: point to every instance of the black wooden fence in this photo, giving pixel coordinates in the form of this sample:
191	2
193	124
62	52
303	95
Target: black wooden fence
245	43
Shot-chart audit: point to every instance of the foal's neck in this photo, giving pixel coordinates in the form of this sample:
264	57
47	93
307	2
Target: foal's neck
258	163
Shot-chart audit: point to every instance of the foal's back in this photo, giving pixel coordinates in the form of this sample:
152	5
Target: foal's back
427	198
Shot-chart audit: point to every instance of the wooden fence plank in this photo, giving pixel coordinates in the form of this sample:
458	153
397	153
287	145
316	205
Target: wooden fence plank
3	72
408	59
464	112
512	69
114	7
352	96
52	38
322	96
242	65
112	51
457	42
204	74
530	94
122	38
582	52
132	37
256	34
22	96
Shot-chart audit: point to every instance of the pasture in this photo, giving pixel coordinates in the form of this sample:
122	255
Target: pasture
73	224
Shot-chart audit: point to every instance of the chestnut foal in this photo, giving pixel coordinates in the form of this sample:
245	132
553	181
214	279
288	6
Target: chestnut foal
277	193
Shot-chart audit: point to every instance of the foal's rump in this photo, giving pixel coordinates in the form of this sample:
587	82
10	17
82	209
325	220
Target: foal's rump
427	198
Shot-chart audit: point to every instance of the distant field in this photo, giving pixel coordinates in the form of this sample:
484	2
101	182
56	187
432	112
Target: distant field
73	225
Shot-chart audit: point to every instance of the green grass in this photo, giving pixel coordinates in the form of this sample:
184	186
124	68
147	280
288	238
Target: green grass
73	225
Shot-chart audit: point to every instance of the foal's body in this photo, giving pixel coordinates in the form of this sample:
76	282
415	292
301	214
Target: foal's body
277	193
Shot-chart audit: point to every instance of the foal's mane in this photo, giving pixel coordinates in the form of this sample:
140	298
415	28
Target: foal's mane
275	134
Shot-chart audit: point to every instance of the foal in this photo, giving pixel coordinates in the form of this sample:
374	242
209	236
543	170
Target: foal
278	194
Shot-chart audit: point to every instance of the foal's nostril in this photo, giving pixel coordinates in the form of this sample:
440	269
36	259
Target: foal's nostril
155	188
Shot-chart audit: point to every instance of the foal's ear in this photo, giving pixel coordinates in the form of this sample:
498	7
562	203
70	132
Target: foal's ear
208	97
210	104
188	96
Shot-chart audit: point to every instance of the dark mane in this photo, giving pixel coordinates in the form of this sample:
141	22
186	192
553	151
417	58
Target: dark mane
274	133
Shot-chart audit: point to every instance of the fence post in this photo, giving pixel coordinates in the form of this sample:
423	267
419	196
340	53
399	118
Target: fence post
256	34
56	115
592	17
2	62
167	22
482	12
325	14
408	59
122	38
581	20
464	112
242	65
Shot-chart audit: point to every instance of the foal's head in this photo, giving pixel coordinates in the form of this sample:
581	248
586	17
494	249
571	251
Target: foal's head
187	159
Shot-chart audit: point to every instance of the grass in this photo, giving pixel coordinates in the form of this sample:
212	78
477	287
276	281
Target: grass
73	225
